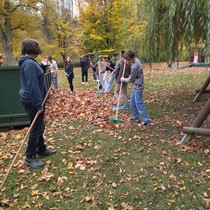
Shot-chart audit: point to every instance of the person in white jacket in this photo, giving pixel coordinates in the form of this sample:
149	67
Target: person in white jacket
54	71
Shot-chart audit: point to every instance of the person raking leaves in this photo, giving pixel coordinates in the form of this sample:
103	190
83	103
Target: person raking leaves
32	94
137	78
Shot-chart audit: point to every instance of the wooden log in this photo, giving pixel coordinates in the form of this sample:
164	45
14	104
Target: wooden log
205	91
196	131
203	88
203	114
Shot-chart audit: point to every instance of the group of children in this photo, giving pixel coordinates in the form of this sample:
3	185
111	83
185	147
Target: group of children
127	70
49	64
33	91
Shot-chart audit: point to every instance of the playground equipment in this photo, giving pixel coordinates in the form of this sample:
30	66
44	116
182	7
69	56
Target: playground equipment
203	114
195	127
203	89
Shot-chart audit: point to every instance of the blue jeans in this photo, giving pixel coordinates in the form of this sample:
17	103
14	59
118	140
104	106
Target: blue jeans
109	83
36	141
55	80
137	106
103	83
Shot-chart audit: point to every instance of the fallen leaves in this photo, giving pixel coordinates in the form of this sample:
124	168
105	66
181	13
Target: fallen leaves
207	202
34	192
171	202
126	206
144	165
114	185
85	106
46	175
83	163
87	199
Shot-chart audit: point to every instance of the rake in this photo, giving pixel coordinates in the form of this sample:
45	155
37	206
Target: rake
24	140
116	119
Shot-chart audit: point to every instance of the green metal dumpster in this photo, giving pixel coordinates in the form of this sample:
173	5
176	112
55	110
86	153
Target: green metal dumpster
12	112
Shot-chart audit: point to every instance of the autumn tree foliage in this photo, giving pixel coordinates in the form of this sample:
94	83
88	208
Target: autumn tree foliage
60	28
104	23
14	19
156	30
50	22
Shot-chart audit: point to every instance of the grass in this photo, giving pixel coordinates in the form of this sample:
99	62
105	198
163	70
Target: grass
115	168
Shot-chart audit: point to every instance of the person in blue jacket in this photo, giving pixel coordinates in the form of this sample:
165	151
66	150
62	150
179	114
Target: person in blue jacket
32	94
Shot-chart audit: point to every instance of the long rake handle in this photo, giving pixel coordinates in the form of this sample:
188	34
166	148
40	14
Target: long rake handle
89	59
106	95
108	66
32	124
118	102
103	63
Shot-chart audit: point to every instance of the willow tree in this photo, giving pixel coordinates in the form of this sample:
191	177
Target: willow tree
134	27
173	24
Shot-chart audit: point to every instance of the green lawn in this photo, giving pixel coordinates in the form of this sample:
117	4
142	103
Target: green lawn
116	167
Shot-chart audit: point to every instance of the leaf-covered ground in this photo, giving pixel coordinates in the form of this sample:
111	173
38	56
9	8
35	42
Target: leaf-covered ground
100	165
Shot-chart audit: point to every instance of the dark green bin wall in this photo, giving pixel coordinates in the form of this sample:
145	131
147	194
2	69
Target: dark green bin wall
12	112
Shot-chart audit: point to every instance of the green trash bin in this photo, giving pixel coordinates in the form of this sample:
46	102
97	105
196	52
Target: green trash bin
12	112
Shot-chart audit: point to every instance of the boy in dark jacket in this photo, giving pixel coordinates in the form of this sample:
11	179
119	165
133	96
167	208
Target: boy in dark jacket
32	94
84	67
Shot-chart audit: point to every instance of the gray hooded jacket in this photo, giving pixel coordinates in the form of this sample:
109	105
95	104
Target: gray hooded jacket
137	76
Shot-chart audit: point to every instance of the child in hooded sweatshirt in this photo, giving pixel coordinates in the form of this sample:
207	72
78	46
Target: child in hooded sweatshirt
137	79
69	73
32	94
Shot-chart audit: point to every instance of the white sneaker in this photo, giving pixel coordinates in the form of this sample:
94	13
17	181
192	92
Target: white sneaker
143	124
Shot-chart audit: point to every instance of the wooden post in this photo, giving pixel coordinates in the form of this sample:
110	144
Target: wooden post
203	114
205	85
199	120
204	92
196	131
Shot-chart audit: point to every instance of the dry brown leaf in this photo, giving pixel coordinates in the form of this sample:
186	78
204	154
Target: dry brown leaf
26	205
34	192
114	184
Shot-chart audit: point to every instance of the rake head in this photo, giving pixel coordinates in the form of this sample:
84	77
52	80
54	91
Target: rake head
99	91
115	120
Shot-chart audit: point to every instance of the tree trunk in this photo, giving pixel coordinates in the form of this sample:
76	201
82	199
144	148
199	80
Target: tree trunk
6	39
